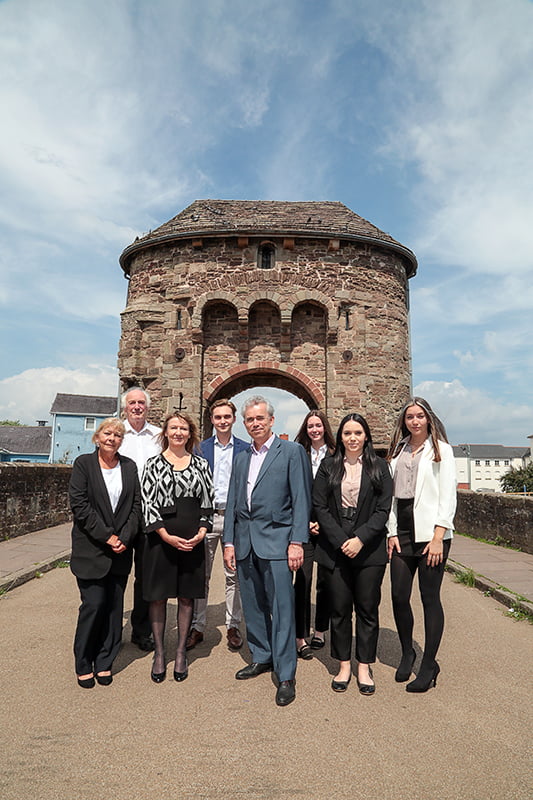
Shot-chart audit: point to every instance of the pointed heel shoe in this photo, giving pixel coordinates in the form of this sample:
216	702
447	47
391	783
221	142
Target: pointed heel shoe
340	686
424	680
181	676
403	673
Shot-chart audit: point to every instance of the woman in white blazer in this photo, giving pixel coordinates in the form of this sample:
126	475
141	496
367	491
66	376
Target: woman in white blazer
420	530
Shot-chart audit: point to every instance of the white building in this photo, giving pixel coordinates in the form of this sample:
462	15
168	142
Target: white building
480	466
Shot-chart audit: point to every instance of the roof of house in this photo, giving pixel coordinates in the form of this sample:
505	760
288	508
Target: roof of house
84	404
268	217
26	439
489	451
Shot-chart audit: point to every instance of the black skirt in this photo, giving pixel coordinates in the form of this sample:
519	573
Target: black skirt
168	572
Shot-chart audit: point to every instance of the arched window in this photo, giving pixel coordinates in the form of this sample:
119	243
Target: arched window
266	256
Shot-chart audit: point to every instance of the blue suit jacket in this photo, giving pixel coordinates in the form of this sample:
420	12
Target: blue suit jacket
207	449
280	507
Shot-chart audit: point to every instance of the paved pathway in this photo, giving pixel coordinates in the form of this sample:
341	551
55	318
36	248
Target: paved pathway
214	738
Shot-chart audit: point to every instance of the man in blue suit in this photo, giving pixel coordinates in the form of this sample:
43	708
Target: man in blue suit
266	522
220	451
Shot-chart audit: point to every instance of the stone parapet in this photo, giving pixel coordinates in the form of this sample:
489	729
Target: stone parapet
32	497
500	518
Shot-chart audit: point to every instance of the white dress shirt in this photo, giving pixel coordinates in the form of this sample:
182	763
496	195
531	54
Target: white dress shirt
140	445
223	462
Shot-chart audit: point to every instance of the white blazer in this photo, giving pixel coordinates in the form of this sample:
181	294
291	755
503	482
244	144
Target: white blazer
435	493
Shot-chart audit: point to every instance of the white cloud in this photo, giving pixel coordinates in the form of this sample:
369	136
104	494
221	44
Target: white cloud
474	416
465	120
29	395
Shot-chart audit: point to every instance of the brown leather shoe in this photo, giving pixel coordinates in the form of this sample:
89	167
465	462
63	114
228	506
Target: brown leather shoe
194	638
234	639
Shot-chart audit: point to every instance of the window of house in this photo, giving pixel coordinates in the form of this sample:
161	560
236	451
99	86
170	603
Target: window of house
506	462
496	463
478	462
266	256
90	423
487	462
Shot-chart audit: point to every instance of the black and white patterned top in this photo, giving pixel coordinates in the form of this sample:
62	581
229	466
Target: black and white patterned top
161	485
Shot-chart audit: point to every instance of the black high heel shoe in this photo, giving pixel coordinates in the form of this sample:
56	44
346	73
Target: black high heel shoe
104	680
158	677
403	673
367	688
181	676
424	680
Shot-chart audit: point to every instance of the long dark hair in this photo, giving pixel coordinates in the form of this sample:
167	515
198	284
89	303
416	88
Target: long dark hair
302	437
436	428
370	459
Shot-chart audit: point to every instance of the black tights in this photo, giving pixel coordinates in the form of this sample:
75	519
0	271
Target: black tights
158	618
403	570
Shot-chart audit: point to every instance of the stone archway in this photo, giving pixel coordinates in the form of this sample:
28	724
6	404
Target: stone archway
250	375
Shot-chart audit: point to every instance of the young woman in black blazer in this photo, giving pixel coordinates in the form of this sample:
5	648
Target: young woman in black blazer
106	506
352	496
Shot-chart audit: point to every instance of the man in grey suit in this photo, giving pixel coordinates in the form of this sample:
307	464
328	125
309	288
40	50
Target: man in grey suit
266	521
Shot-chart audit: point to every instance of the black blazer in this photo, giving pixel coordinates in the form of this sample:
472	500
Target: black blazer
95	522
369	524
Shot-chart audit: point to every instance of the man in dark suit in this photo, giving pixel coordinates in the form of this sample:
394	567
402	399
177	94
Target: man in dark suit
220	451
266	522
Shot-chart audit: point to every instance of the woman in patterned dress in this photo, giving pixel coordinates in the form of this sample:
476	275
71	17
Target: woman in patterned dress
178	497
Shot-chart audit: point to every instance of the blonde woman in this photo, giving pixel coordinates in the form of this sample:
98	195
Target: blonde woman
106	506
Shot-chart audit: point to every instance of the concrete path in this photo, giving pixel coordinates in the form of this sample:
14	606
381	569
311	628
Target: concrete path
215	738
504	573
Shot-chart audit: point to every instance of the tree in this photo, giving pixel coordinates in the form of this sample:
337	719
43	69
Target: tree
516	479
11	422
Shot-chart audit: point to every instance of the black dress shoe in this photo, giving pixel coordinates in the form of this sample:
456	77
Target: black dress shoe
158	677
367	688
86	683
286	693
104	680
403	673
316	643
145	643
340	686
181	676
253	669
424	680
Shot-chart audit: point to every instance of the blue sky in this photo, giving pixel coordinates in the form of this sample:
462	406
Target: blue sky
417	115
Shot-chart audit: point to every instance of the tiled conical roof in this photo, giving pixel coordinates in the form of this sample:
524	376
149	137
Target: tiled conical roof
269	217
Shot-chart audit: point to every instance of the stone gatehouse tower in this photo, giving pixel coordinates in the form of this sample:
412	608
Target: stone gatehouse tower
307	297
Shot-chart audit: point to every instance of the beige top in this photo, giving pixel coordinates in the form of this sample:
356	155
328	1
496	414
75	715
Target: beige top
406	472
351	483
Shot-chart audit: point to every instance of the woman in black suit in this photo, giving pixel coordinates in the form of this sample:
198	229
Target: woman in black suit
352	496
106	506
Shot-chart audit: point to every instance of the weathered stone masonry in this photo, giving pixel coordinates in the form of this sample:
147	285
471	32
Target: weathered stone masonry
308	297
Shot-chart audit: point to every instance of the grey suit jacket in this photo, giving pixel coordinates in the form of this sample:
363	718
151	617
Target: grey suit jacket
280	504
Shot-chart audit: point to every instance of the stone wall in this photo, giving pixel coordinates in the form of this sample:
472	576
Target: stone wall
501	518
32	496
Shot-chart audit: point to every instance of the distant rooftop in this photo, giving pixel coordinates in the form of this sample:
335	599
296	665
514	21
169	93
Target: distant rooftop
31	440
489	451
84	404
270	217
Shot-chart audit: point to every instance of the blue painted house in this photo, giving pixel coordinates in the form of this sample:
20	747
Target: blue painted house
25	442
75	417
